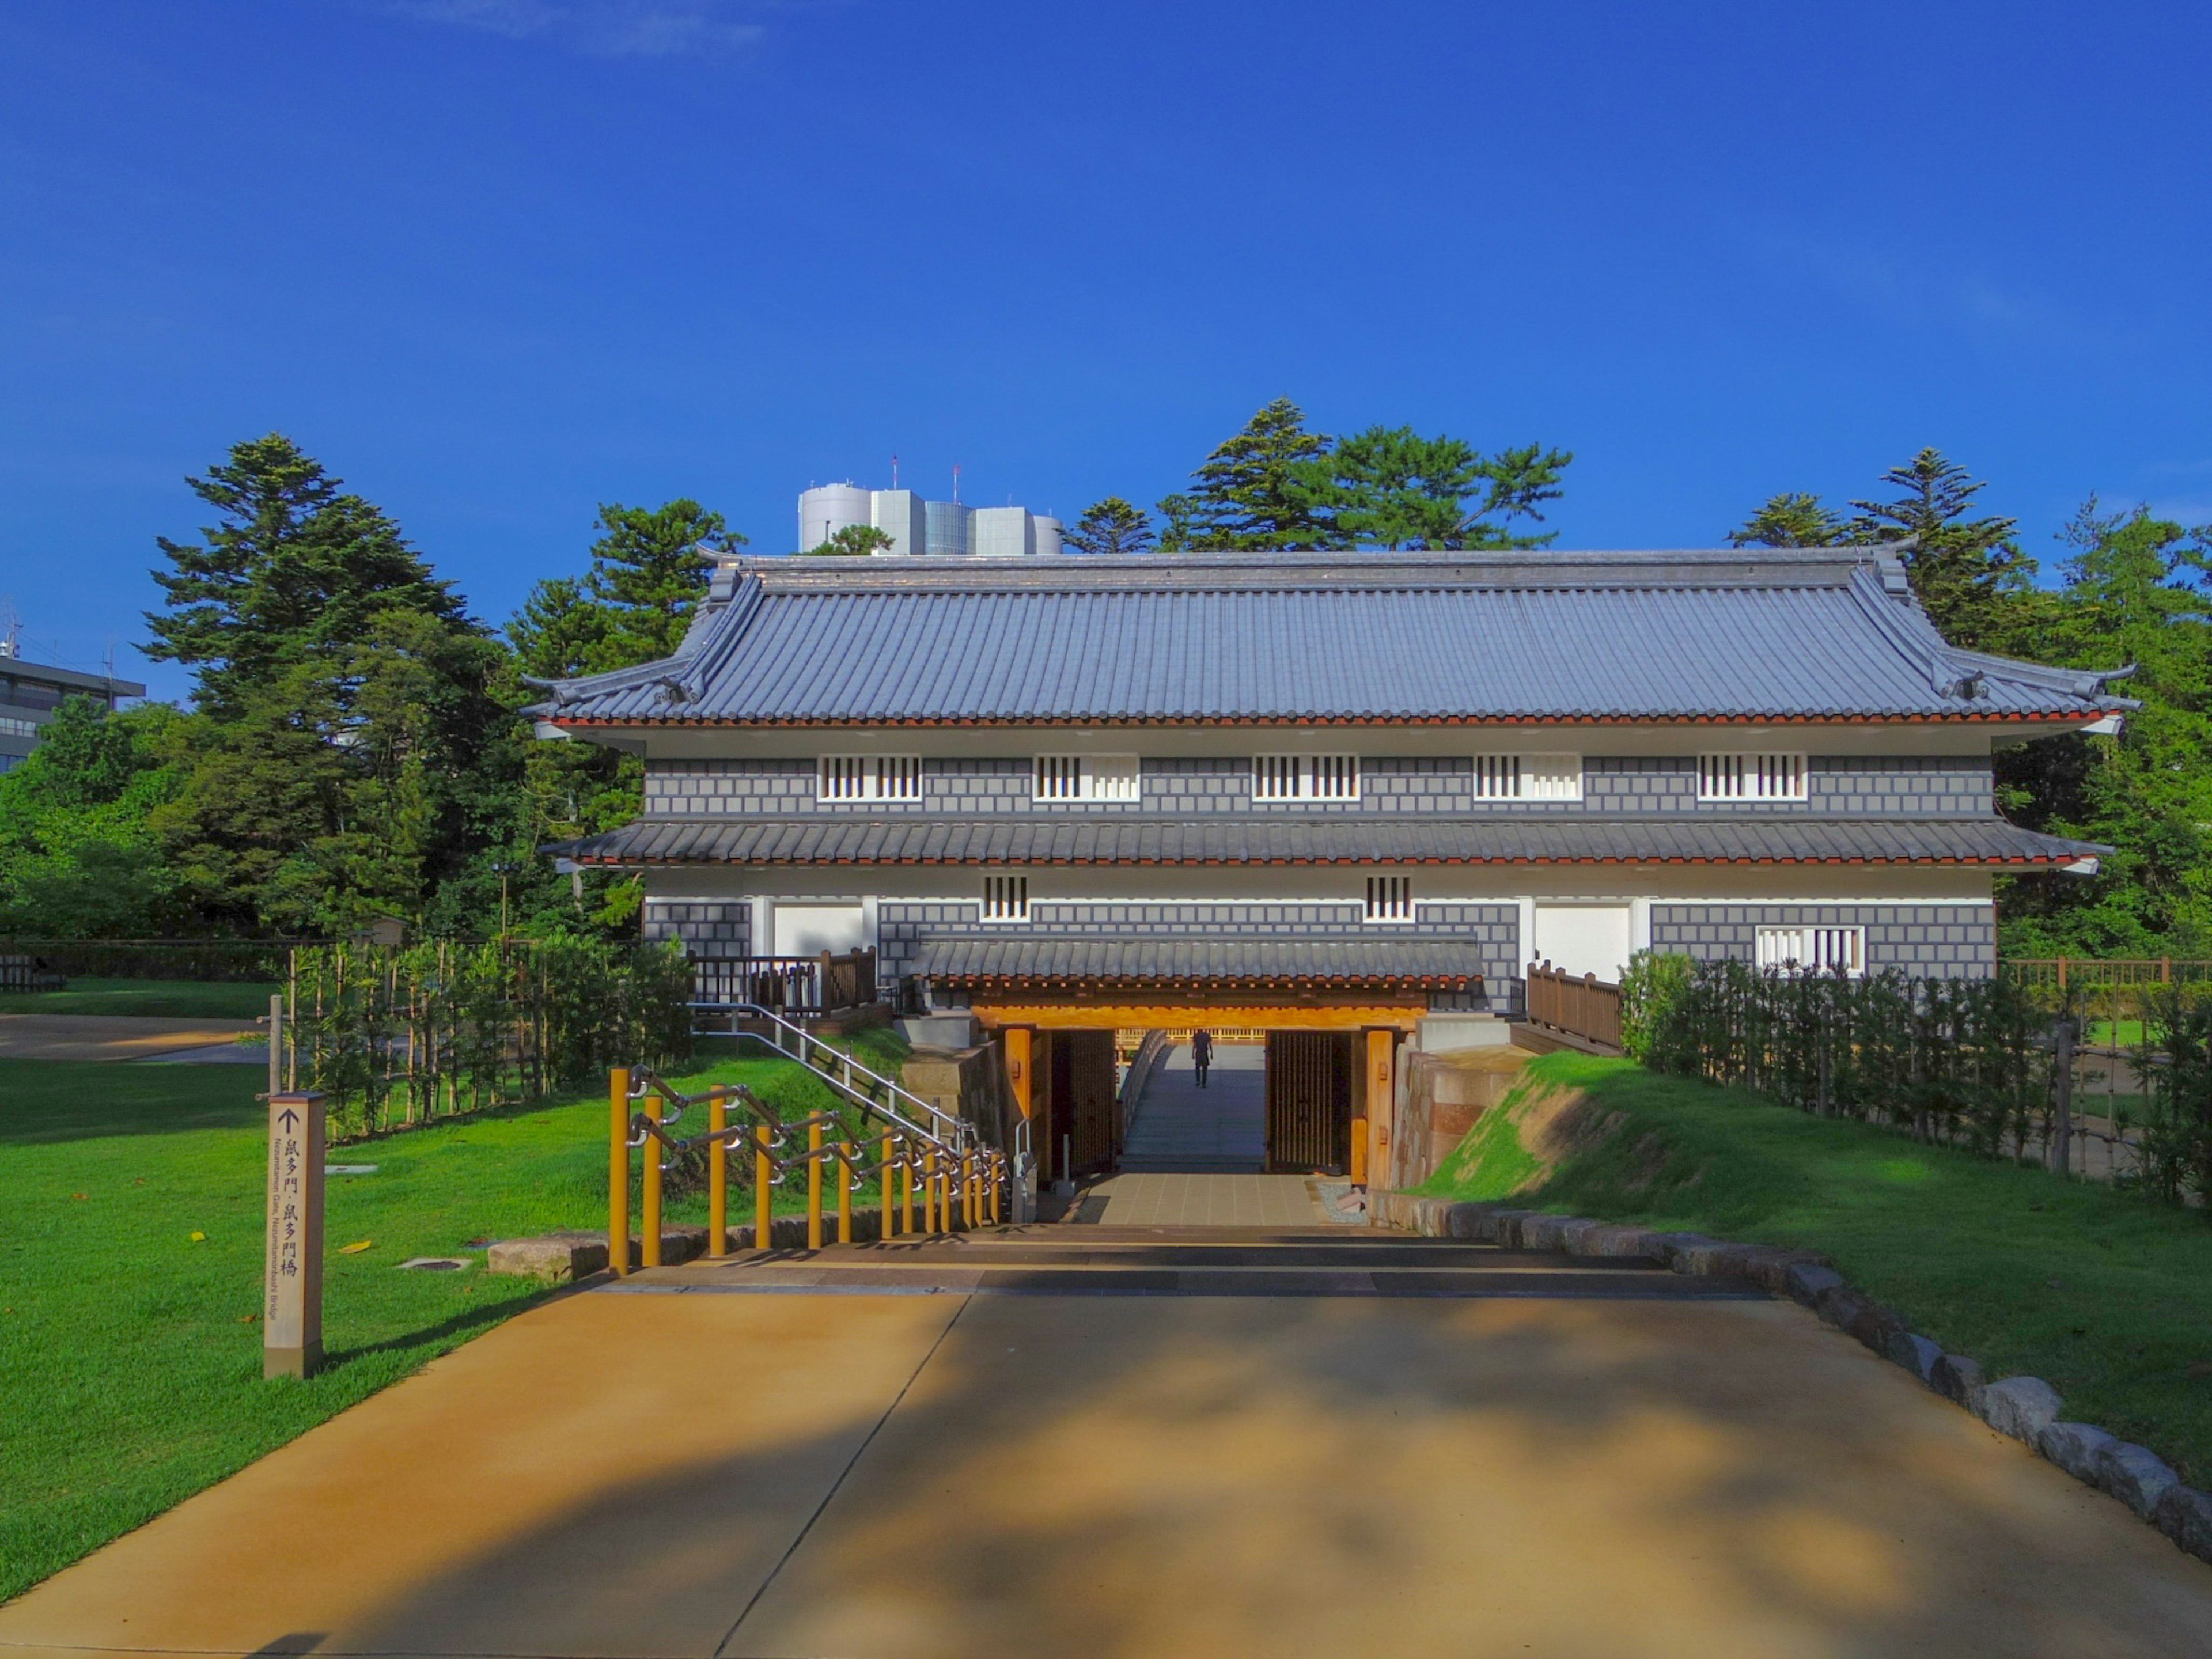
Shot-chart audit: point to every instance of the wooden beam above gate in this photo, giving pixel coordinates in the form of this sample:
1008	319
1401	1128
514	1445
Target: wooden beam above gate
1097	1014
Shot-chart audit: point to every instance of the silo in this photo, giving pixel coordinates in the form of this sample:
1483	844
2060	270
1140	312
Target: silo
825	511
948	528
1048	536
1003	532
898	514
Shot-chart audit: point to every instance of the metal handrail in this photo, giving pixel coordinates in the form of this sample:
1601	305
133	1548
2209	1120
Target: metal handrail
961	1136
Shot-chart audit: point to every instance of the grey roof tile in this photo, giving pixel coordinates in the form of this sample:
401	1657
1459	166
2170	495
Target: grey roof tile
1766	635
1433	963
824	838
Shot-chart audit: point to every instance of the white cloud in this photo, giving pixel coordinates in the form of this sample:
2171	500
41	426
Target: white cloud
603	28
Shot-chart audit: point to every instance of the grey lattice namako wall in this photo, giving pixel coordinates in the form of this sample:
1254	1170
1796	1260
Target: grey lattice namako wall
1925	940
1931	785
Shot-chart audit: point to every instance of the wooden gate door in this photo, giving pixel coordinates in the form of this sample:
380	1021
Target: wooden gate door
1309	1076
1090	1085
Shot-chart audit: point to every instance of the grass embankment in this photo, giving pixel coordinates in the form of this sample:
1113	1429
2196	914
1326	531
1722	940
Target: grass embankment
2106	1295
131	1204
160	998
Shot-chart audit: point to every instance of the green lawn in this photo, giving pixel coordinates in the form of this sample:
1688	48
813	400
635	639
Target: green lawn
166	998
129	1364
2106	1295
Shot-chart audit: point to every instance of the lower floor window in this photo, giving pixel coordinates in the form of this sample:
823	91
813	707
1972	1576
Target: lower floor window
1813	950
1389	898
1005	898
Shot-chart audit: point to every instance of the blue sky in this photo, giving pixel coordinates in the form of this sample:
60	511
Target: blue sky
495	261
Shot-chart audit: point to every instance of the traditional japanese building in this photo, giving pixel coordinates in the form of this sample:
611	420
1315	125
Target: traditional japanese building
1337	793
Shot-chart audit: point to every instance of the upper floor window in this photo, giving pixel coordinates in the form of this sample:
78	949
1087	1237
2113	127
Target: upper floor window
1305	777
1751	777
1812	950
15	728
1005	898
1085	777
1528	777
1389	898
869	777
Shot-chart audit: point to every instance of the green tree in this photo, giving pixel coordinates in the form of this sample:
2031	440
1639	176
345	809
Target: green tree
853	541
1964	570
1792	519
560	632
78	855
1112	527
2137	589
348	741
649	569
1389	487
1250	495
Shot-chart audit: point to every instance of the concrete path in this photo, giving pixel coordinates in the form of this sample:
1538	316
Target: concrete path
1203	1200
125	1036
886	1476
1222	1127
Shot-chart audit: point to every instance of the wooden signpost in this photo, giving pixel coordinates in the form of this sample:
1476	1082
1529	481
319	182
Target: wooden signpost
292	1292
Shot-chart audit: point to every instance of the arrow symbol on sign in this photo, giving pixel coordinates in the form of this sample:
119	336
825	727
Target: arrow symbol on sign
289	1118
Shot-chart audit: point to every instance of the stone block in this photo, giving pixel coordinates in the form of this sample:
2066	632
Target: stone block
1465	1220
1713	1258
2073	1447
1505	1226
1807	1283
1432	1217
1672	1244
2134	1475
1543	1232
1770	1267
2021	1407
2185	1514
1959	1380
1640	1243
1575	1236
1915	1353
556	1258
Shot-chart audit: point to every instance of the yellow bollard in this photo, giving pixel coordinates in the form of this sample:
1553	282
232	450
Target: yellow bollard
648	1221
967	1192
763	1189
718	1176
906	1185
929	1173
991	1203
888	1224
844	1192
814	1187
618	1170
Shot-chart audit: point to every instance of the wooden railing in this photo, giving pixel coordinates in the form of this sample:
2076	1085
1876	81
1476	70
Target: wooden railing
824	984
1586	1007
2079	973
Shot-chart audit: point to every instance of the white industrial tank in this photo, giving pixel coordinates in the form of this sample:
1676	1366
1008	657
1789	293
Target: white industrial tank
825	510
948	528
1048	536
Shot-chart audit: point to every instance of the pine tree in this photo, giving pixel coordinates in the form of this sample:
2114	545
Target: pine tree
649	569
1963	570
1249	495
1113	528
1792	519
853	541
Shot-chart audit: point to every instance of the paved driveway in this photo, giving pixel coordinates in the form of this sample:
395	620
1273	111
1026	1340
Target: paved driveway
940	1474
125	1036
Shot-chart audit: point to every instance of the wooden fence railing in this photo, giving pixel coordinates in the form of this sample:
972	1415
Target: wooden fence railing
824	984
1584	1006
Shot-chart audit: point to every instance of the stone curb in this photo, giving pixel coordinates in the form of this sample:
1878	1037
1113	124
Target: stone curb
561	1258
2025	1408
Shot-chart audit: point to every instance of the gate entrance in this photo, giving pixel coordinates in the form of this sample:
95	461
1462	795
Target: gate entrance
1310	1078
1075	1080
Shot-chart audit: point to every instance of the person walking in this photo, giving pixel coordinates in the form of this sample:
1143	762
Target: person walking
1202	1054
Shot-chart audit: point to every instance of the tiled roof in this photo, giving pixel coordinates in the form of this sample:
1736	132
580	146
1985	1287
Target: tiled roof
1752	636
1040	839
1429	963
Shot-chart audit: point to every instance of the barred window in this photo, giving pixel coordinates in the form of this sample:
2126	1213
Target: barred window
868	777
1086	777
1389	898
1812	950
1305	777
1528	777
1005	898
1751	777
